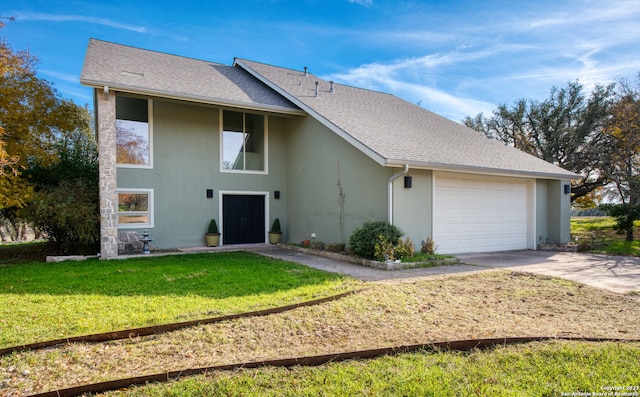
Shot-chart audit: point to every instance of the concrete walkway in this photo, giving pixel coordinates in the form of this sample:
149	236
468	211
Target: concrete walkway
614	273
360	272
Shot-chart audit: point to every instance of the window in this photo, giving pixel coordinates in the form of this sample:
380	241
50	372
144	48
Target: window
133	134
135	208
243	141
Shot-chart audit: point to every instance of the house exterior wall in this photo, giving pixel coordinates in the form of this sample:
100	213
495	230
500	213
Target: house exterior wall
186	162
542	211
553	212
559	204
413	207
326	186
332	188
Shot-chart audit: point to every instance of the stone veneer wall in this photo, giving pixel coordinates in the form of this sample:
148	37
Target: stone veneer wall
106	124
129	243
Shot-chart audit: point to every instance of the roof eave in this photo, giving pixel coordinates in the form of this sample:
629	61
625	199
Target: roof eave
192	98
480	170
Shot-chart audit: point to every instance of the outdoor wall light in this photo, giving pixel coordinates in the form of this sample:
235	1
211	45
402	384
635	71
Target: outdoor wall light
209	193
567	189
408	182
276	194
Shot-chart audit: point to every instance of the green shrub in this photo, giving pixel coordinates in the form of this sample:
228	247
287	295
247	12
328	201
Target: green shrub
383	250
404	249
428	246
275	228
213	227
363	240
386	250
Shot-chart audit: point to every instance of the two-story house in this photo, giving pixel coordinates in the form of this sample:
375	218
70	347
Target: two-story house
183	141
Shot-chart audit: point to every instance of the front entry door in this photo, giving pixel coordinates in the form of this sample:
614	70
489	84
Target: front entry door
243	219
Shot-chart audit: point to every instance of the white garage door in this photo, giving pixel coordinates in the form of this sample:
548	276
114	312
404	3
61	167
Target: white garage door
480	214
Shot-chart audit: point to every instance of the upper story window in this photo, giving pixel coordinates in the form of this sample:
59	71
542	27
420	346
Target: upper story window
133	132
243	142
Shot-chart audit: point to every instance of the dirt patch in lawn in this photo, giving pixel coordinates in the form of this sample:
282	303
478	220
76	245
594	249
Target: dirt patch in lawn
492	304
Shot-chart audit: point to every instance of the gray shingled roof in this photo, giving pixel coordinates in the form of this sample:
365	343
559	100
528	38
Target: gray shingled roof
390	130
148	72
395	132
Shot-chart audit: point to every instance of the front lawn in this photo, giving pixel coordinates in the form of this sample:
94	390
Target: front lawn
42	301
534	369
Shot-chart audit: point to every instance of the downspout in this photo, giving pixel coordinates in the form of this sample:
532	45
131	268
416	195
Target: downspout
390	189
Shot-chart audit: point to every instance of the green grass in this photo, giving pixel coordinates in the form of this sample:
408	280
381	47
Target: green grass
534	369
596	234
41	301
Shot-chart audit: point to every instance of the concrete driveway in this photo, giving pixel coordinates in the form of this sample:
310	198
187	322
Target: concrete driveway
614	273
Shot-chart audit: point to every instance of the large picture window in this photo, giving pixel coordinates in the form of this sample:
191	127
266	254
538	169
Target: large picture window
133	132
243	141
135	208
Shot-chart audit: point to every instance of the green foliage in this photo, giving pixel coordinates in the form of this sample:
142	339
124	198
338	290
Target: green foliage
386	250
275	228
73	298
65	201
565	129
404	249
33	117
363	240
51	178
428	246
213	227
625	216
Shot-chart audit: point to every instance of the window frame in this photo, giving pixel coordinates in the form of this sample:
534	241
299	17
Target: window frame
265	138
150	212
150	128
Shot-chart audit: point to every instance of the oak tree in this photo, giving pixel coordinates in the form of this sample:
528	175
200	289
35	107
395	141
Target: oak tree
565	129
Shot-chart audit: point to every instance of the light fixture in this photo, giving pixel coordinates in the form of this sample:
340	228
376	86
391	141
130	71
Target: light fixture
408	182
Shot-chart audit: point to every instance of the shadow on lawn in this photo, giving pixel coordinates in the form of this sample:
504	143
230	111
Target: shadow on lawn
213	275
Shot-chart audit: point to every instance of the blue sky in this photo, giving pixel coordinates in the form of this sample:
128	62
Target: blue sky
456	58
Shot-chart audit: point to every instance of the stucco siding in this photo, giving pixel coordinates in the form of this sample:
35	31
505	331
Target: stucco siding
553	212
413	207
186	159
542	211
333	188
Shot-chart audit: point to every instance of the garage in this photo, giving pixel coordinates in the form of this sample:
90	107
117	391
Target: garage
482	213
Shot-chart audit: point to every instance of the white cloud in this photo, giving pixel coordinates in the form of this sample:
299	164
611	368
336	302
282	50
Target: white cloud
412	79
59	76
366	3
80	18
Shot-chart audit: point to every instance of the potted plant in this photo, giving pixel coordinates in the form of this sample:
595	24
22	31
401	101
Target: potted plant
212	236
275	234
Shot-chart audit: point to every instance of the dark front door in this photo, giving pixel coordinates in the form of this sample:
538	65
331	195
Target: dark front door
242	219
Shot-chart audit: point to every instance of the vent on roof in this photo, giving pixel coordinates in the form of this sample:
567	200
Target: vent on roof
317	92
305	71
131	74
331	88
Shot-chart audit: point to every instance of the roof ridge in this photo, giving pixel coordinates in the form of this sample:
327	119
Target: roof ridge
92	39
314	75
